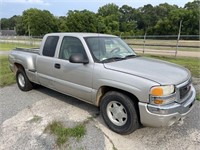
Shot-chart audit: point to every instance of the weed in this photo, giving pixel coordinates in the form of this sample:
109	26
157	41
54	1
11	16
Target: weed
6	76
63	133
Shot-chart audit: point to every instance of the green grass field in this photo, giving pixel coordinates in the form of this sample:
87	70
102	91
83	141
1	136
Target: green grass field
6	76
164	42
170	44
10	46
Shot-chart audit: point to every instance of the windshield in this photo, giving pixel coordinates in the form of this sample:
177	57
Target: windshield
108	48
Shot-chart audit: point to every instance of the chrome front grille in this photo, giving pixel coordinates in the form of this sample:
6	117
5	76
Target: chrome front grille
184	90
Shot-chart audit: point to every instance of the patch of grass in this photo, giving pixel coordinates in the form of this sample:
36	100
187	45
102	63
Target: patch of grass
63	133
164	42
166	48
6	76
10	46
35	119
193	64
198	97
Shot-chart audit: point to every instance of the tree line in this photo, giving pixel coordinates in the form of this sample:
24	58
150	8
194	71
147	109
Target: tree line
163	19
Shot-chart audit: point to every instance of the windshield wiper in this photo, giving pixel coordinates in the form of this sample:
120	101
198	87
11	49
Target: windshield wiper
112	59
130	56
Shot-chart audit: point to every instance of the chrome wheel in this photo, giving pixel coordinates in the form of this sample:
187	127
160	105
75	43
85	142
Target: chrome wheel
21	80
116	113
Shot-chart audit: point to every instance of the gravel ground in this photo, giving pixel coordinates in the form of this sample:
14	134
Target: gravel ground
17	131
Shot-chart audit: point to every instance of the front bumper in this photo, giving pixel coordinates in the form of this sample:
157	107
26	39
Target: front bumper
166	115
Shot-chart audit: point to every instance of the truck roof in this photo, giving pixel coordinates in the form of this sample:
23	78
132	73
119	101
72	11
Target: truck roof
80	34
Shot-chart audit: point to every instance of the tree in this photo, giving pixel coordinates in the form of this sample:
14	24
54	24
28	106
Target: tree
192	18
4	23
109	9
128	20
163	19
81	21
10	23
37	22
62	25
109	15
20	28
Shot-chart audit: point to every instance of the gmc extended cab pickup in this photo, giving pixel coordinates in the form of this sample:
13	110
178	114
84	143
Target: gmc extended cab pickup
104	71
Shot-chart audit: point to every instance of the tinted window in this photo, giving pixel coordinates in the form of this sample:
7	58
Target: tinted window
70	46
50	46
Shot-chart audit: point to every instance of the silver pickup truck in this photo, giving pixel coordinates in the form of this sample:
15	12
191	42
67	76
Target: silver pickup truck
104	71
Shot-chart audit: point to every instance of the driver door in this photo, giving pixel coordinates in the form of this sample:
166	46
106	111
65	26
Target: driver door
70	78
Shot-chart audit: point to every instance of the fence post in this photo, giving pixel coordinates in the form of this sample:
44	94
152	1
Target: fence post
144	42
178	38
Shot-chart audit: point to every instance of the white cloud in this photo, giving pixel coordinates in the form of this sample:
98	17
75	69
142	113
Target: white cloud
40	2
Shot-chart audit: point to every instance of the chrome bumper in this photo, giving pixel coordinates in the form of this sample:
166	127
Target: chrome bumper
166	115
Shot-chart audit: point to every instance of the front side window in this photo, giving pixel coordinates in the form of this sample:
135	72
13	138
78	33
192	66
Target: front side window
50	46
70	46
104	48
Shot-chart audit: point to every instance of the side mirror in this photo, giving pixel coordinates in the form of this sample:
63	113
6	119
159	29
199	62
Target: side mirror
78	58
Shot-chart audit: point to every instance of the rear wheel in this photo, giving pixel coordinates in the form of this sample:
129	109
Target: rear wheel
22	81
119	112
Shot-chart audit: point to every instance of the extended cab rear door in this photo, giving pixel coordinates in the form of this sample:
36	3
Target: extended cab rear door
45	61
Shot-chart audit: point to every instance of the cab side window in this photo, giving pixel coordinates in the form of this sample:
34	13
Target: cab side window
70	46
50	46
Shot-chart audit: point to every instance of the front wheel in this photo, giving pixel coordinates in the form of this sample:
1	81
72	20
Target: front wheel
23	82
119	113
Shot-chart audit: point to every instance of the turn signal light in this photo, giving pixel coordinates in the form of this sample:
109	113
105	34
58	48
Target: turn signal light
157	91
158	101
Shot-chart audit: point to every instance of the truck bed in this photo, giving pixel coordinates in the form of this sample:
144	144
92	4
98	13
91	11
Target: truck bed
29	50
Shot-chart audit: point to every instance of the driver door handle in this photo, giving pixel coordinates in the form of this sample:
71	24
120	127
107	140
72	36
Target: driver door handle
57	66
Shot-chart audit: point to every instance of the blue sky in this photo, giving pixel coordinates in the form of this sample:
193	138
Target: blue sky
9	8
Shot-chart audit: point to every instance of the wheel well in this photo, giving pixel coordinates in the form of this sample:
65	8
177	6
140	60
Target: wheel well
17	67
104	89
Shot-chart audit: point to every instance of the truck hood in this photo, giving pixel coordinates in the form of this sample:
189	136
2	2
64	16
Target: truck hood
158	71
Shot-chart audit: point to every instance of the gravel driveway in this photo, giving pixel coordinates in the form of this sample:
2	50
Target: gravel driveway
17	131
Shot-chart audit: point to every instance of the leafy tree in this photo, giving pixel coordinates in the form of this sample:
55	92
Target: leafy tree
4	23
10	23
192	18
62	25
81	21
20	28
109	9
109	15
37	22
163	19
128	20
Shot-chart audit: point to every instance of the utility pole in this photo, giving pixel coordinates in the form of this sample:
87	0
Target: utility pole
144	42
178	38
29	33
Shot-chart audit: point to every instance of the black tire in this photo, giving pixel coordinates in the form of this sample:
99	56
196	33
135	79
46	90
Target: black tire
23	82
117	104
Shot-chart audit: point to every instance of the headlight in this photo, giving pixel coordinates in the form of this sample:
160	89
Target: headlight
162	90
160	95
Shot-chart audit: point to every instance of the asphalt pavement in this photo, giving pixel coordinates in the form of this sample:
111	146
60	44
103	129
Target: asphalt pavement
17	131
